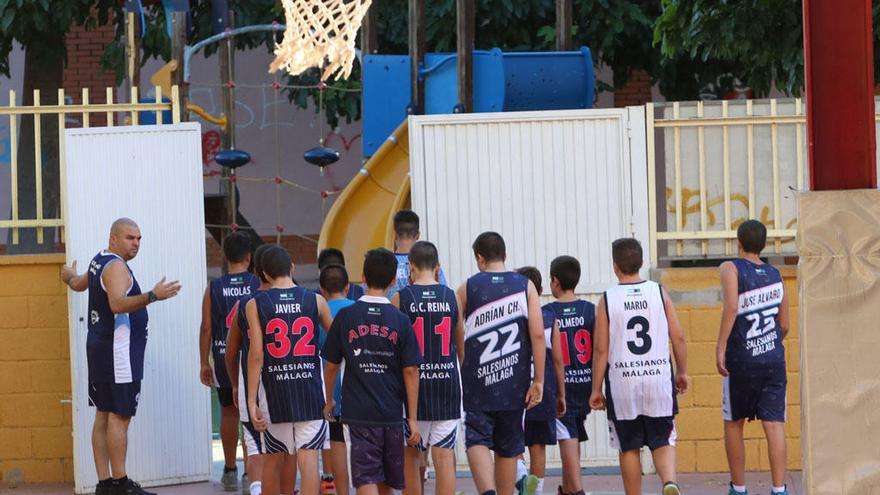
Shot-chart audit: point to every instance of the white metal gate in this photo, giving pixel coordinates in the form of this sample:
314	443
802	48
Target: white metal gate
153	175
551	183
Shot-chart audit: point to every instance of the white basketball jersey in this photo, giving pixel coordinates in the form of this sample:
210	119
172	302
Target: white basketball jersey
639	364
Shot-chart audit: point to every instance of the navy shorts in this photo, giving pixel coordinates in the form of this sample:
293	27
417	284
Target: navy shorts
224	396
633	434
117	398
571	427
337	431
500	431
540	432
376	455
750	396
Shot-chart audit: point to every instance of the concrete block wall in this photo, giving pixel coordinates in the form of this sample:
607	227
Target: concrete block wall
35	415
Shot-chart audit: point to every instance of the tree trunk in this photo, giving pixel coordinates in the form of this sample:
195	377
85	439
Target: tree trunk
42	71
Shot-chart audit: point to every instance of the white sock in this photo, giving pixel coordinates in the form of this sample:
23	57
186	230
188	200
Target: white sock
256	488
777	489
739	488
540	488
521	469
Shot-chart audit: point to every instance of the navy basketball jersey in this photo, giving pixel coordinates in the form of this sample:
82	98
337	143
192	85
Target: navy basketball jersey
291	378
497	349
546	409
245	332
755	343
576	320
433	312
116	342
225	293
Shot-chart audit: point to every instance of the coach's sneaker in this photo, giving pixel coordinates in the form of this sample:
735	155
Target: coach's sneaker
328	487
229	480
734	491
671	488
127	486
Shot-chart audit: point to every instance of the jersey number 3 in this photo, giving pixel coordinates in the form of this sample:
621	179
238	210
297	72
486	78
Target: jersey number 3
640	325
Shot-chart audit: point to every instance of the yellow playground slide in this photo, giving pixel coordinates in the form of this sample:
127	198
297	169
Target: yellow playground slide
362	217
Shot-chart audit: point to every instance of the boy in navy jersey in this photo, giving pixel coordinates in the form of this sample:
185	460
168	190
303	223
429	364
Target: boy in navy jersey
636	326
504	334
433	311
333	256
406	233
575	318
218	306
750	354
237	346
334	287
381	355
540	422
284	372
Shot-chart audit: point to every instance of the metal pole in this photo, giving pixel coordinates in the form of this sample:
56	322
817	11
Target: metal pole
465	47
563	25
178	47
417	53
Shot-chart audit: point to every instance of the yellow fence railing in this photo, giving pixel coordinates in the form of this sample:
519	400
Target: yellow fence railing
713	165
63	110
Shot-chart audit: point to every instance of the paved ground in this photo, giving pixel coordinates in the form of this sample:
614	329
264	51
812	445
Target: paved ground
692	484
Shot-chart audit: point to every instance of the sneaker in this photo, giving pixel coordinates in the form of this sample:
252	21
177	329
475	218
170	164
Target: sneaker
245	485
103	488
734	492
229	480
128	487
530	484
671	488
784	492
521	485
328	487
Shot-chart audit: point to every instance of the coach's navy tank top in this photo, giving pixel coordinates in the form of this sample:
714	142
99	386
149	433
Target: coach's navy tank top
291	376
433	312
497	358
755	344
116	342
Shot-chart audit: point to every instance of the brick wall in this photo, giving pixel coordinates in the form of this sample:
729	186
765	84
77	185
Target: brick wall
83	69
637	91
699	424
35	426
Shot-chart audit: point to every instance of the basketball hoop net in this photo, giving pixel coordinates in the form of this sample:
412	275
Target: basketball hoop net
319	30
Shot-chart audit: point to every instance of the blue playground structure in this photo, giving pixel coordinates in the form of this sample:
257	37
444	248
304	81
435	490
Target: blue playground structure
503	82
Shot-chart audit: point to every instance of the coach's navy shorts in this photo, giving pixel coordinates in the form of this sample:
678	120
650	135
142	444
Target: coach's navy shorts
646	431
571	427
118	398
500	431
754	395
540	432
376	455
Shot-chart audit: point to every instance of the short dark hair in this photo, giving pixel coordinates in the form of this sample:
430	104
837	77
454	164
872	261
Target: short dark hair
566	269
333	279
236	247
423	255
330	256
490	245
752	234
406	224
533	274
276	262
627	255
258	260
380	268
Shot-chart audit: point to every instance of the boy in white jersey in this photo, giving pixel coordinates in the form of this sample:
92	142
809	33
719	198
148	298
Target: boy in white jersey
751	357
635	326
